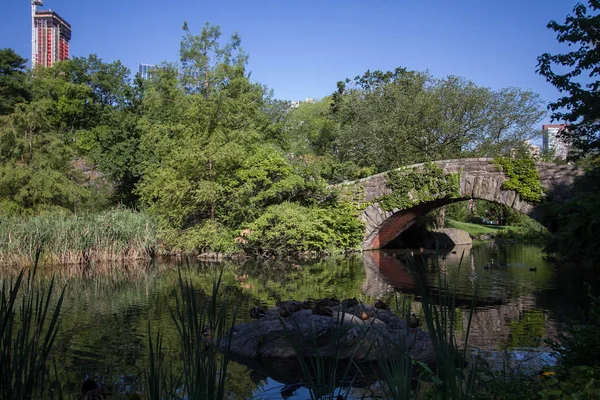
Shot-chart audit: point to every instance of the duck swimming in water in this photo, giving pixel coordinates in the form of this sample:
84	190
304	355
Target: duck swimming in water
380	305
257	312
414	322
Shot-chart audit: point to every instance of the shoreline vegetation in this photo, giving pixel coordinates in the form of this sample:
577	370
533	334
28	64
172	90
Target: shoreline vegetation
127	235
109	236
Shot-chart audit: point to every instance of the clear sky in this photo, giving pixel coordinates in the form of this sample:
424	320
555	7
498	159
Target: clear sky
302	48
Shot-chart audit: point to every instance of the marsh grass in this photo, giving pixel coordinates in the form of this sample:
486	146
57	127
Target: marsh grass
77	239
454	377
396	369
29	321
201	325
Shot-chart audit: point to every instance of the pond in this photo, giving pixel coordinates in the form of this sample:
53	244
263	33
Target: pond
520	301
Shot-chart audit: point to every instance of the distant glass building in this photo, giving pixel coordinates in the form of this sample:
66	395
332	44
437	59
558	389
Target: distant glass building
552	142
50	37
145	70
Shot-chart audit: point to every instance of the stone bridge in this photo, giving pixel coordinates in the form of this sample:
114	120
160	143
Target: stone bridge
478	178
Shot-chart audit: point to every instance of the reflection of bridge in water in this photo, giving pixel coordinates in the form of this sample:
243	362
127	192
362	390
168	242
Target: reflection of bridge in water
491	324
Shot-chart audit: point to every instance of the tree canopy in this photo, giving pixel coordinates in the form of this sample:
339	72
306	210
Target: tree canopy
403	117
13	81
575	75
218	162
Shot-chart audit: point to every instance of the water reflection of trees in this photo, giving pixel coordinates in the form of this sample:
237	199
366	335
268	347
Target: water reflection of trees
107	308
507	313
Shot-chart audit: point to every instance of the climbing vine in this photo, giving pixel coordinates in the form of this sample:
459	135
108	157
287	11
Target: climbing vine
411	187
522	177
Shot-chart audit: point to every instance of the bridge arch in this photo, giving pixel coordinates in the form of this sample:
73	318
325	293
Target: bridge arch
479	178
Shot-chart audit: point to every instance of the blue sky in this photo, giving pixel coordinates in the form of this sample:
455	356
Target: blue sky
302	48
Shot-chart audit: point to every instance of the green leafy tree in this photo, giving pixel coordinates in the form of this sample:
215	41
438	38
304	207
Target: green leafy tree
110	140
575	74
402	117
14	86
311	128
197	132
36	170
211	156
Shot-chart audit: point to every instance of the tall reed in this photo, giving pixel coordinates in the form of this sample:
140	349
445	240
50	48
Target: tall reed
455	378
395	367
71	239
28	328
202	326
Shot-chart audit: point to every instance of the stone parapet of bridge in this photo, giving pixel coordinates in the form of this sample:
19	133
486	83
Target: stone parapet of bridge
480	178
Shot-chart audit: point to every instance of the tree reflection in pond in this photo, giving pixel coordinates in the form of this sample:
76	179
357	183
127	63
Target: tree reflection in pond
107	308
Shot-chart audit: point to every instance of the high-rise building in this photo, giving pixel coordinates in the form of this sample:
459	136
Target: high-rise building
50	36
145	70
552	142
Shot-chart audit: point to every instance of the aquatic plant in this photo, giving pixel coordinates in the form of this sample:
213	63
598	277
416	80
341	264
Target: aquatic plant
454	378
201	327
114	235
28	326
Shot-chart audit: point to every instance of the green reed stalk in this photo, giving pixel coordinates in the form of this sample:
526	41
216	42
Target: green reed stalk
160	380
451	364
396	367
200	329
321	373
28	328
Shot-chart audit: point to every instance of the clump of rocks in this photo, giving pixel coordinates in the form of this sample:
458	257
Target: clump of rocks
323	328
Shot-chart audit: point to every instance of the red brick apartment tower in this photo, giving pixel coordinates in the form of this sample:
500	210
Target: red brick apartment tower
51	36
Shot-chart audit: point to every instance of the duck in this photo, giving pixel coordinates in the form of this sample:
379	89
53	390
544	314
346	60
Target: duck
257	312
328	302
533	269
349	303
414	322
323	310
491	265
91	391
380	305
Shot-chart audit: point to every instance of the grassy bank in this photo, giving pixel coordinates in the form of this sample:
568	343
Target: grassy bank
533	231
67	239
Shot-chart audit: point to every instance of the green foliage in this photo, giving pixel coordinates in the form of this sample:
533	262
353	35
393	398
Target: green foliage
397	118
210	168
291	227
412	187
36	171
579	344
581	383
575	223
528	330
29	323
522	176
311	128
14	87
575	75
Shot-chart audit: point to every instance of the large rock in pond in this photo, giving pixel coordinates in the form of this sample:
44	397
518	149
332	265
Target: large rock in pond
447	238
382	333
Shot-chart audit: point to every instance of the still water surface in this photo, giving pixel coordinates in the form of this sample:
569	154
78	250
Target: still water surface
520	302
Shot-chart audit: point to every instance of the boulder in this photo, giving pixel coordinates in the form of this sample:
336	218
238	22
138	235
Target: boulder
450	237
274	337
